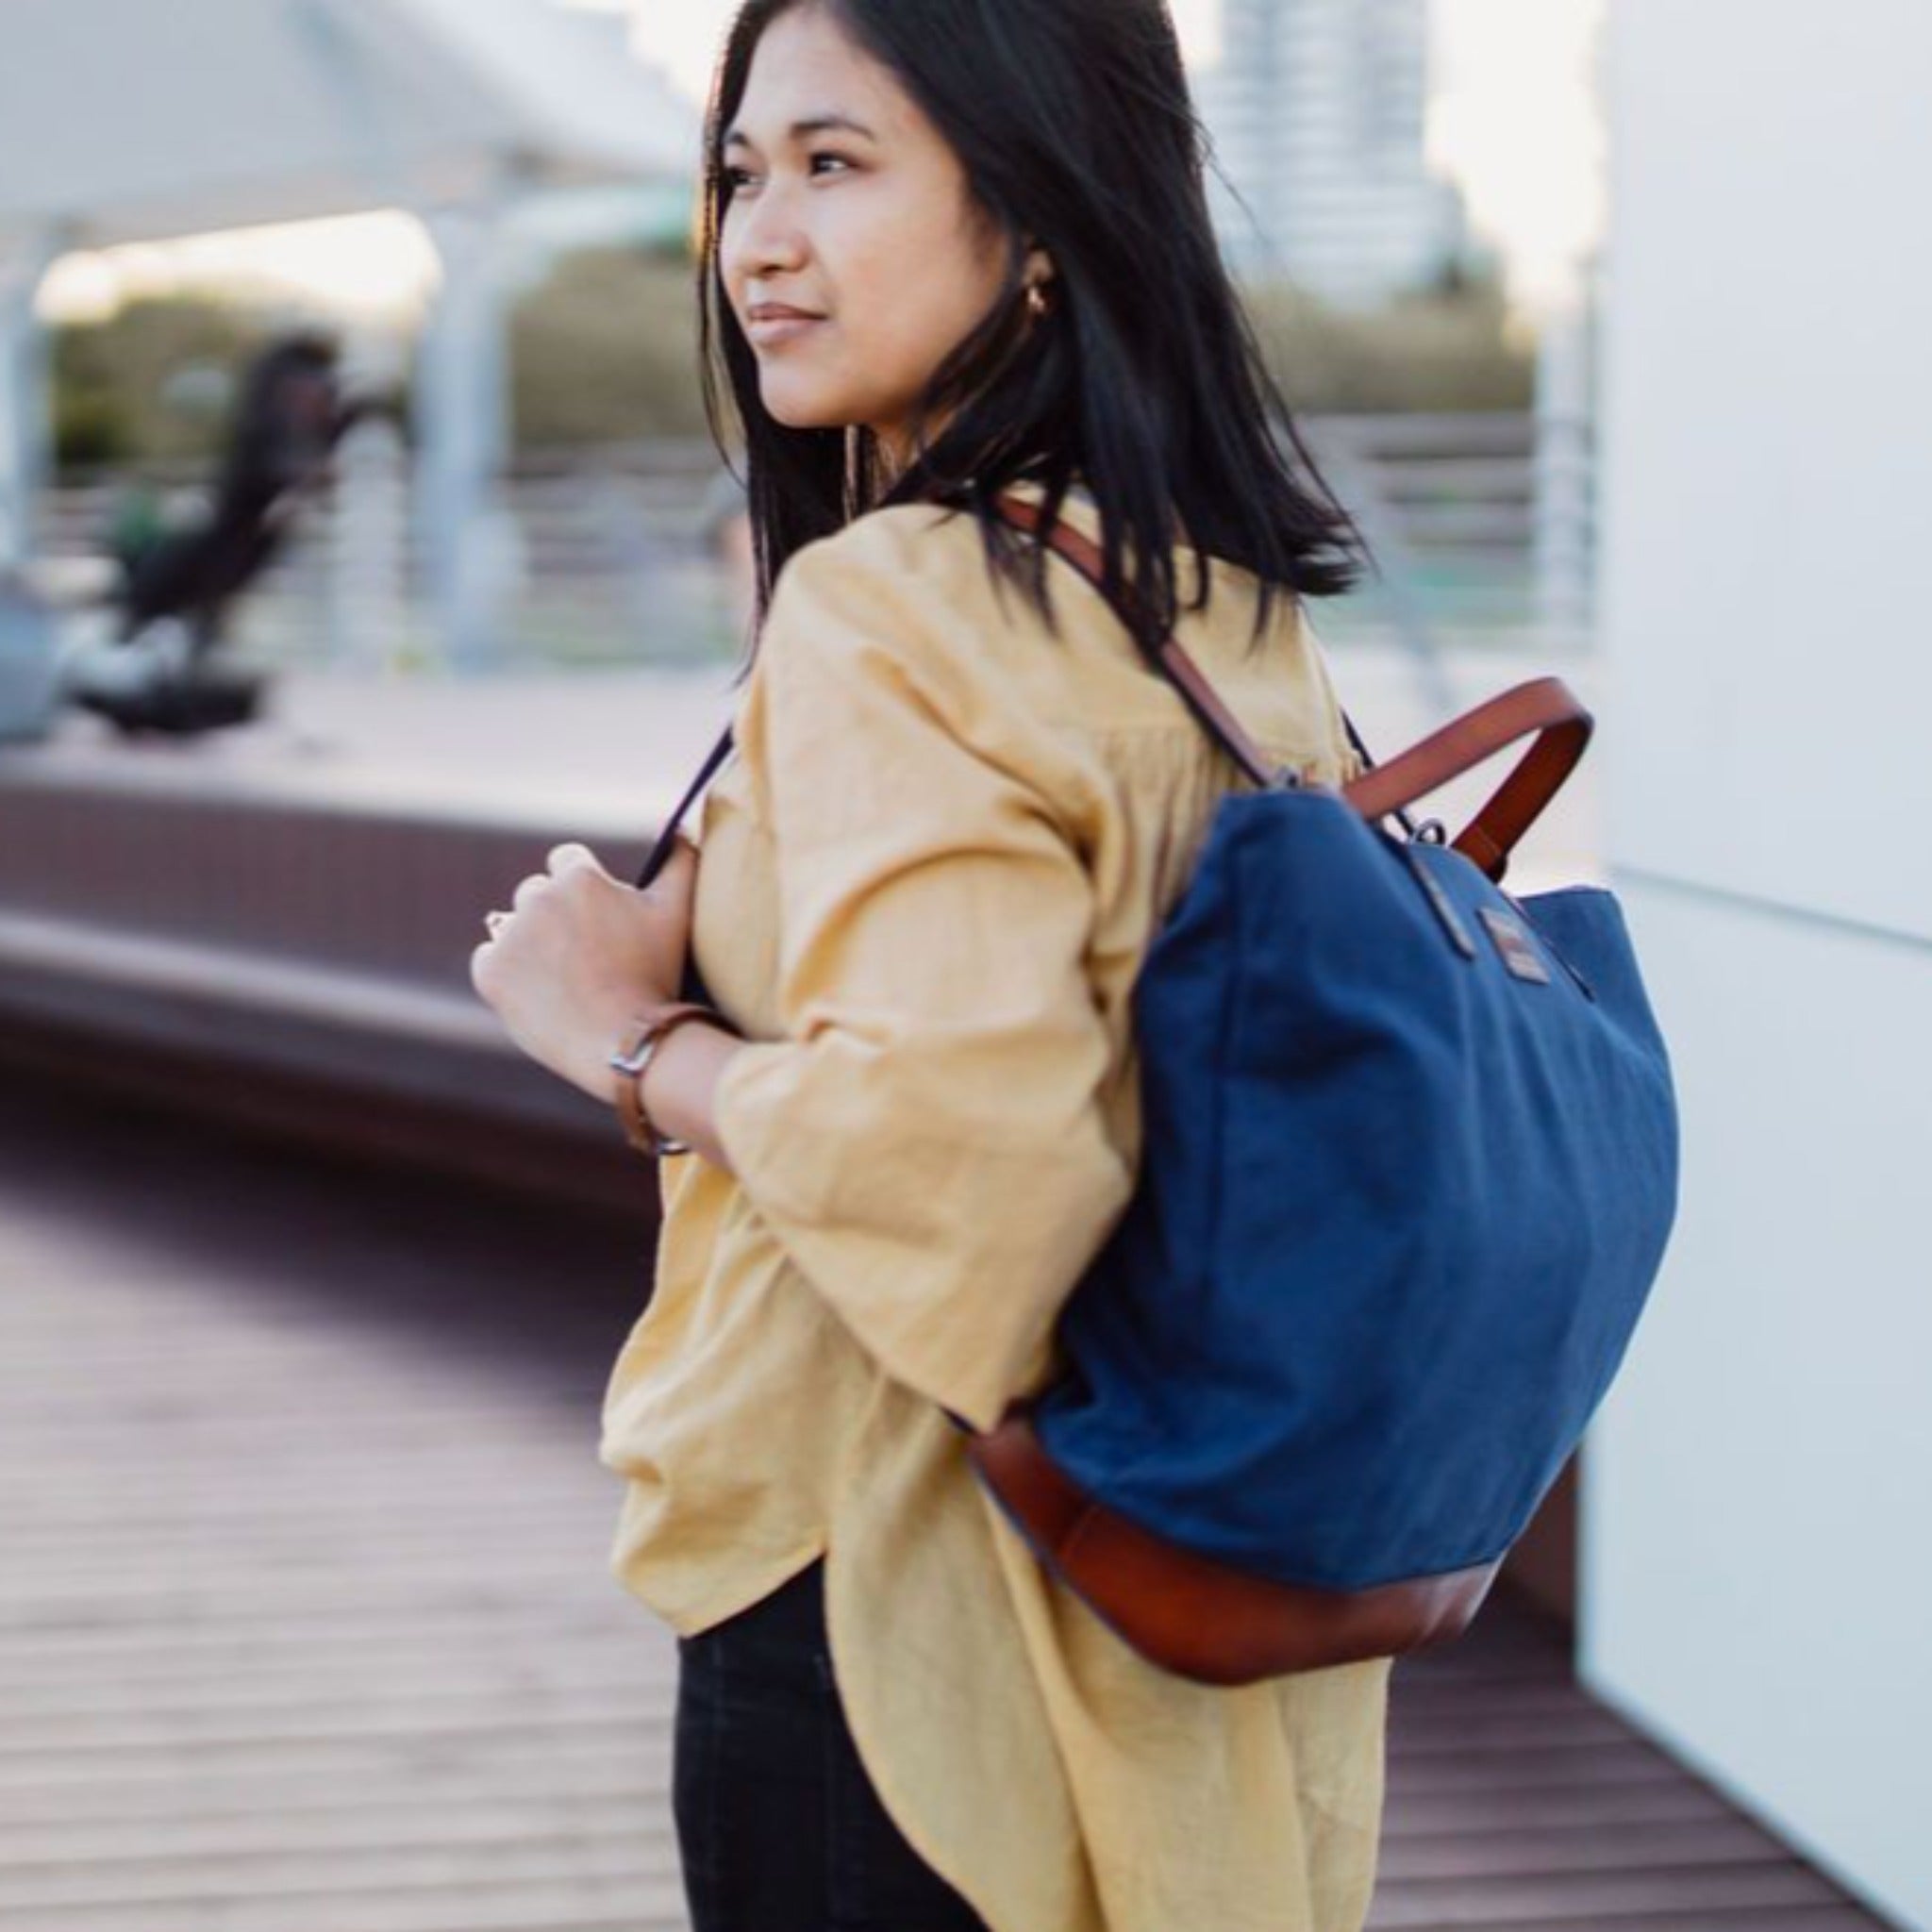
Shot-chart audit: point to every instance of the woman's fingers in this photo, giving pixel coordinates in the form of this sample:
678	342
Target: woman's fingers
681	867
558	864
563	857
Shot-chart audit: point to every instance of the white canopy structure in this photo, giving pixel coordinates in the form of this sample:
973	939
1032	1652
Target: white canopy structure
123	119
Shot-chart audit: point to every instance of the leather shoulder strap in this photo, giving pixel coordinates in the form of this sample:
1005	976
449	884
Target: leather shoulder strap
1202	699
1544	705
667	838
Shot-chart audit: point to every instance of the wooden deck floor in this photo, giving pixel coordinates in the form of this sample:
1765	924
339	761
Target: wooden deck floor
305	1624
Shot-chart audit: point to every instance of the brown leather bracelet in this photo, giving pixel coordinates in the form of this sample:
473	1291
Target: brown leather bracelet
652	1031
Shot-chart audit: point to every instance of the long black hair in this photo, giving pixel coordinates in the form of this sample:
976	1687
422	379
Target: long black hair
1073	123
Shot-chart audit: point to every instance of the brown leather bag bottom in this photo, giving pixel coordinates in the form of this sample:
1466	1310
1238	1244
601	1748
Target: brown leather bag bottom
1198	1618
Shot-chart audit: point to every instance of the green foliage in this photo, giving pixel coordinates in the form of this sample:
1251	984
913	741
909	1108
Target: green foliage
606	350
93	427
111	380
1439	350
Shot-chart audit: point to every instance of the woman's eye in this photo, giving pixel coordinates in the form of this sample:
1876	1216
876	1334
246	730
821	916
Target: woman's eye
738	180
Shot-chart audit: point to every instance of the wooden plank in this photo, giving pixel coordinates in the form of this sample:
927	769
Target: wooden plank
539	1905
1626	1761
1471	1814
1479	1731
1601	1847
1497	1899
567	1862
1843	1918
236	1806
535	1813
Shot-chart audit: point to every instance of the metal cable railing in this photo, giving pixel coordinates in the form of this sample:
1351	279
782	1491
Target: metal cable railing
607	556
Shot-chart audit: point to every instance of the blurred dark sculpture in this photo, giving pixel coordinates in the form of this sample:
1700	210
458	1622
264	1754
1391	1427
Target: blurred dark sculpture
176	586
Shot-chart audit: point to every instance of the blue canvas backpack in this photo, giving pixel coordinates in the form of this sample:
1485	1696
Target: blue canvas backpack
1409	1168
1411	1165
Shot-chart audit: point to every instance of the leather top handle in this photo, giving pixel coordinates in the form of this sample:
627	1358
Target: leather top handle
1546	705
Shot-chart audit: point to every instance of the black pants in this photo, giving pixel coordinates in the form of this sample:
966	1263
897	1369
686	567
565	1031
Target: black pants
779	1827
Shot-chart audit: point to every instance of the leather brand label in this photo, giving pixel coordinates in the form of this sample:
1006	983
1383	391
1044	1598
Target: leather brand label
1439	903
1513	943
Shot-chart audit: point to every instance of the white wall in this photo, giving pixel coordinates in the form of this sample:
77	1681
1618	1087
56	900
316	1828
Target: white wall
1756	1557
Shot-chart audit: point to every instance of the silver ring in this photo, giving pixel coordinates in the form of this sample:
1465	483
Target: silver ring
495	922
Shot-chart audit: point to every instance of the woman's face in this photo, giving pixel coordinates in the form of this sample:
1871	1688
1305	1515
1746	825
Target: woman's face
851	252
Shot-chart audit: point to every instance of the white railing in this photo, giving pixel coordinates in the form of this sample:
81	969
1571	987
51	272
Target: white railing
1481	525
1482	528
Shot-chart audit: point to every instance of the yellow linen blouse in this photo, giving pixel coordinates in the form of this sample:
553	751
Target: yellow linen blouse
928	880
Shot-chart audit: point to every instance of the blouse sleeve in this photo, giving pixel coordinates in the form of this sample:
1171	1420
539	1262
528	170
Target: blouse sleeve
926	1142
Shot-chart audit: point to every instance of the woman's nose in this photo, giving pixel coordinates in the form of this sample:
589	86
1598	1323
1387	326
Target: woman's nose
764	235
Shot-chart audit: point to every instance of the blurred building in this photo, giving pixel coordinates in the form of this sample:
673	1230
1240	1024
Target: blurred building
1317	111
1758	1491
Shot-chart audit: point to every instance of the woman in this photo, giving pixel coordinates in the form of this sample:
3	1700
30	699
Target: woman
955	247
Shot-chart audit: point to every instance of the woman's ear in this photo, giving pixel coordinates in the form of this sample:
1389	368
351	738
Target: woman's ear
1039	269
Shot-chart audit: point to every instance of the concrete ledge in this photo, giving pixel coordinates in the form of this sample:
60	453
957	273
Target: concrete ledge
298	966
334	1117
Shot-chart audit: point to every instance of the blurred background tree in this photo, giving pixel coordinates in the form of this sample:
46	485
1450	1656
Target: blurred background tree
150	382
604	349
1447	349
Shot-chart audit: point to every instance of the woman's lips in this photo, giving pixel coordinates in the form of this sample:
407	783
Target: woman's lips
770	322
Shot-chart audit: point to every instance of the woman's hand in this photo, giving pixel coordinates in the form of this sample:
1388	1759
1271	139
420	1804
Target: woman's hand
580	955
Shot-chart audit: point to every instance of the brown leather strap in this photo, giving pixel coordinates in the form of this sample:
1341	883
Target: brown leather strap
632	1061
1544	705
1083	555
